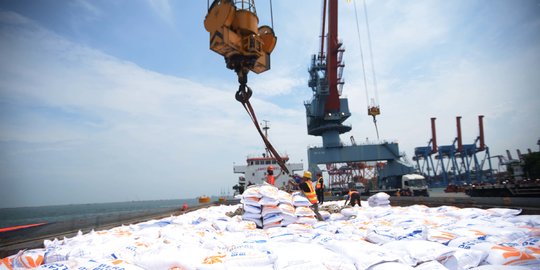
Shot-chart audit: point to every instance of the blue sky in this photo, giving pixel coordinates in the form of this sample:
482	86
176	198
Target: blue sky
104	101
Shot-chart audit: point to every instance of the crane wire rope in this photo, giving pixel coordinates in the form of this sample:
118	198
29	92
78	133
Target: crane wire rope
362	60
271	15
371	53
361	52
244	100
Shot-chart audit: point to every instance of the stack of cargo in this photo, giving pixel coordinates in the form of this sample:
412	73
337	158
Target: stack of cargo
270	207
379	199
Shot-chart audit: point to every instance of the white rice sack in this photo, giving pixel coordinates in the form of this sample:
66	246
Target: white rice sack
169	256
325	214
269	225
255	236
57	253
468	213
246	255
380	235
529	220
411	233
390	232
269	191
297	227
465	259
287	209
304	211
284	197
431	265
241	226
300	200
531	245
252	209
337	216
379	202
305	265
391	266
257	221
440	236
252	191
349	211
467	232
497	254
502	233
272	218
249	215
306	220
501	255
362	253
288	219
251	201
470	243
270	209
504	212
25	259
302	256
501	267
380	196
413	252
84	264
281	235
267	201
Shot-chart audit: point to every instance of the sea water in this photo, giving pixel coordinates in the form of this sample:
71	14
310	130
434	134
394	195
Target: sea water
59	213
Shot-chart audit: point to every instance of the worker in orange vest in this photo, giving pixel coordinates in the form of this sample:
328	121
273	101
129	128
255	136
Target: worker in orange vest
354	197
307	188
319	188
270	179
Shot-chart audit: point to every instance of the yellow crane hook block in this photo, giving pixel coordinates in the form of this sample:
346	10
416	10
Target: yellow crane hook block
234	33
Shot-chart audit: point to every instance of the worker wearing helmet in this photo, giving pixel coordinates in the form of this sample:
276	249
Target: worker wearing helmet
270	179
307	188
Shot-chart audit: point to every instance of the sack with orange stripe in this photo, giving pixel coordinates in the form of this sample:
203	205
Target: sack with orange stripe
28	259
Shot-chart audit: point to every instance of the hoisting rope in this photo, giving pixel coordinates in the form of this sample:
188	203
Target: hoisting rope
242	95
271	15
376	128
372	64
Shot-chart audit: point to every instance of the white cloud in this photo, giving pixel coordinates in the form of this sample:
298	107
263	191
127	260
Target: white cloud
163	9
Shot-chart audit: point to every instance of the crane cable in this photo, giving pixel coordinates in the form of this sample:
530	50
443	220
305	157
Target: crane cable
362	59
242	95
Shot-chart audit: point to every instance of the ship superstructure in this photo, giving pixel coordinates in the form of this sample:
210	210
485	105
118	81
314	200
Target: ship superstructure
255	170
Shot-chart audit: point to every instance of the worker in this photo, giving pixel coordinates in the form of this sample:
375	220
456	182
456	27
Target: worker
307	188
294	181
319	188
354	197
270	179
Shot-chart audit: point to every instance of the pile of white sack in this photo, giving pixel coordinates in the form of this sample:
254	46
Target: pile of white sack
269	207
379	199
374	238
